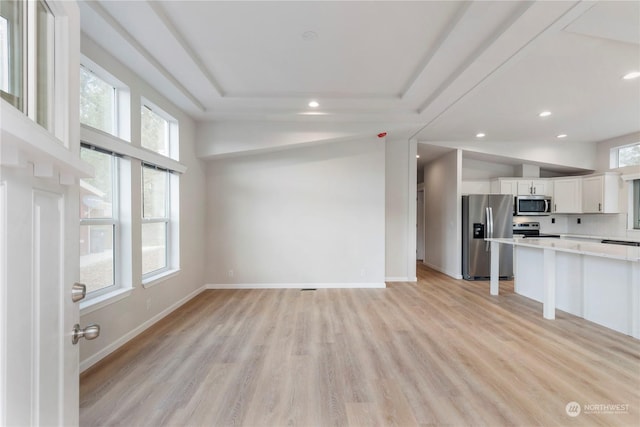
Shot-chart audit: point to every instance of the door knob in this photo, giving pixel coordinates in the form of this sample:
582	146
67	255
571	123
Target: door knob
78	292
91	332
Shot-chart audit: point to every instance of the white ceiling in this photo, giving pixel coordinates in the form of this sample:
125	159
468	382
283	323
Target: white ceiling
439	70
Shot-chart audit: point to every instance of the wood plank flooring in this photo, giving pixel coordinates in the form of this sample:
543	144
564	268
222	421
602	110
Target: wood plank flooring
439	352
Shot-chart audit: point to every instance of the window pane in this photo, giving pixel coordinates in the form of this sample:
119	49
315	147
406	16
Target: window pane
154	246
96	194
154	195
97	102
155	131
11	48
44	50
96	256
629	156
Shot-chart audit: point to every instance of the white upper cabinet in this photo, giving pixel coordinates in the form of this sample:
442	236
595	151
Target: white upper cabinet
567	195
536	187
575	194
505	186
600	193
522	187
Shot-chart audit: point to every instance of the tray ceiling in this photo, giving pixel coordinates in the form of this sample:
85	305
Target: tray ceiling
440	70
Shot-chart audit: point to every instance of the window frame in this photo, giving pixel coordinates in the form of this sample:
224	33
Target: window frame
121	108
16	82
30	100
172	130
166	219
614	158
114	221
114	106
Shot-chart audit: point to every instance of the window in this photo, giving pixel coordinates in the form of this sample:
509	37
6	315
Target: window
99	223
155	220
115	204
45	66
27	58
12	71
97	102
627	155
11	48
158	130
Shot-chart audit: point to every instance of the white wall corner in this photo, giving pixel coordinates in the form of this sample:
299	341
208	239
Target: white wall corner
453	274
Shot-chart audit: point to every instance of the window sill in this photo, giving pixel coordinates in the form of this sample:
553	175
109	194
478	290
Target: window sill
159	278
101	301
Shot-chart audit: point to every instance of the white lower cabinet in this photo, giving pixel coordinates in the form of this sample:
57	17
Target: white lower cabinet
600	289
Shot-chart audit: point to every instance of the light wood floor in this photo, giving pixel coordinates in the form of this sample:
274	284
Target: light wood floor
436	352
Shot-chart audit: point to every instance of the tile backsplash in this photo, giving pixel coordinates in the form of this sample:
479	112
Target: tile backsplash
606	225
610	225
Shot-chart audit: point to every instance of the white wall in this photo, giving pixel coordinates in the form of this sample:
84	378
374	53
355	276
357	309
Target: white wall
611	225
233	137
477	175
400	164
473	169
603	149
566	153
443	211
124	318
310	215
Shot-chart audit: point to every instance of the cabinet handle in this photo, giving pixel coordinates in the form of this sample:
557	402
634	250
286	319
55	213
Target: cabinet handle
555	207
599	207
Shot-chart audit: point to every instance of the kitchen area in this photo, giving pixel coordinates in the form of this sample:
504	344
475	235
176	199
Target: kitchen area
567	242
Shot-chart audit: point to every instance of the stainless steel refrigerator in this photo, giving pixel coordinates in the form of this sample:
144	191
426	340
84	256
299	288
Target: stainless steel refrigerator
485	215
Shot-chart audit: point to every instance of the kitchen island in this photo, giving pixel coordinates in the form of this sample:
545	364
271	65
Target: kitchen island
599	282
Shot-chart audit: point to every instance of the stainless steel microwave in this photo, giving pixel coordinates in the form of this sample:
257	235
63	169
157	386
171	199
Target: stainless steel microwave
532	205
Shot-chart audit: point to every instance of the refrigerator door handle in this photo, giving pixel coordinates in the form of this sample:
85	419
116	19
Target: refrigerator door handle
491	222
489	228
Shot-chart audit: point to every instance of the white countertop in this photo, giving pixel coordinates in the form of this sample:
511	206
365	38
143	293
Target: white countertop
627	253
591	237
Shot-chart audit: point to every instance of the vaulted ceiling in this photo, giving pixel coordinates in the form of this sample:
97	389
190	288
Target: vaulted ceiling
435	70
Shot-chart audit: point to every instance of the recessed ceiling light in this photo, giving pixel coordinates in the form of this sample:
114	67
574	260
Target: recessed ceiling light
480	135
417	156
562	135
632	75
545	114
314	104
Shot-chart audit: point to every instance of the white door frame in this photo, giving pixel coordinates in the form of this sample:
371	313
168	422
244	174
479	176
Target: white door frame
39	256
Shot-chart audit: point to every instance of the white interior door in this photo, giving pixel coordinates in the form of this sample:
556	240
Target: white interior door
38	255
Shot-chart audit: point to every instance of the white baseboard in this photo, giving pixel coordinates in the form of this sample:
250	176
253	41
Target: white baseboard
400	279
455	275
294	285
95	358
